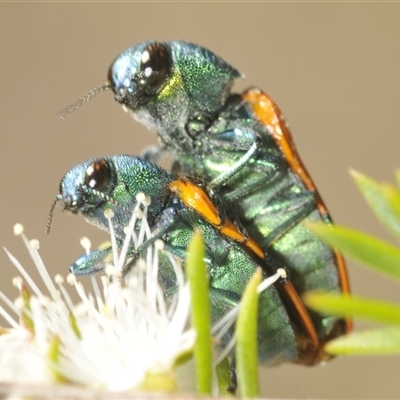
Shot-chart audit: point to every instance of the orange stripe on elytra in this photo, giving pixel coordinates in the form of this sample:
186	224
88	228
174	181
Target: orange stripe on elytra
269	114
197	199
302	312
344	283
254	247
230	230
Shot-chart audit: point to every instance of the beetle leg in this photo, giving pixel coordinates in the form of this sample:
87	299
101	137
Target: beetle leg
96	261
162	225
237	139
92	263
247	143
305	205
233	378
246	188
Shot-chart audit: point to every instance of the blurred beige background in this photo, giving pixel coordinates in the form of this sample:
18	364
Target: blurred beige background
332	68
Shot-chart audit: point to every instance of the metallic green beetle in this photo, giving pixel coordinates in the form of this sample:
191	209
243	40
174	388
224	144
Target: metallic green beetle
182	92
241	146
178	206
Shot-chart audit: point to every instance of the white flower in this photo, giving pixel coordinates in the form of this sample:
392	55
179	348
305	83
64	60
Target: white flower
123	335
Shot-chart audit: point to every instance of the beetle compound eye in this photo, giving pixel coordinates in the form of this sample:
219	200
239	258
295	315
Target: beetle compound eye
98	175
155	64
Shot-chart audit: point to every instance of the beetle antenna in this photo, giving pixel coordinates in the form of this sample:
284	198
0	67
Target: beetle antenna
50	217
83	100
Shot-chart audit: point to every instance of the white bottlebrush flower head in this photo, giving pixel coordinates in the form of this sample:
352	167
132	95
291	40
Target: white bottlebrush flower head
122	336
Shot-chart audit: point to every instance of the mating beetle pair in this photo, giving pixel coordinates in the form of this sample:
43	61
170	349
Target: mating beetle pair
241	147
114	182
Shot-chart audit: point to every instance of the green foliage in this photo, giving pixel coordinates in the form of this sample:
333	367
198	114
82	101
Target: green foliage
246	340
384	200
246	329
196	274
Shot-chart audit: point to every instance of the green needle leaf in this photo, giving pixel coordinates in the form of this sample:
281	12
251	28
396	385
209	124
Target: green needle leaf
246	340
371	342
196	274
223	371
373	252
383	199
352	306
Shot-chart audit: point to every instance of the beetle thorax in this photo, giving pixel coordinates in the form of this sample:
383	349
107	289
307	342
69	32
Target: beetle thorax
169	118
